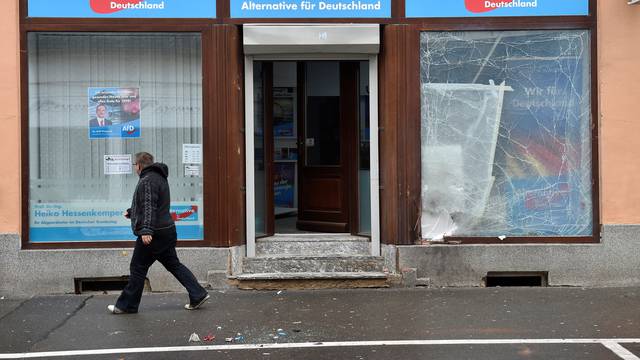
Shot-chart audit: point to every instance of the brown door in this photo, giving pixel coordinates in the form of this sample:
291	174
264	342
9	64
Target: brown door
327	144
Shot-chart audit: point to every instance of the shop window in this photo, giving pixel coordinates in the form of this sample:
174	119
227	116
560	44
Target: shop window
95	100
506	134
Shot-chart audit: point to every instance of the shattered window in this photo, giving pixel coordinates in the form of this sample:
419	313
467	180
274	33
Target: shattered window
506	134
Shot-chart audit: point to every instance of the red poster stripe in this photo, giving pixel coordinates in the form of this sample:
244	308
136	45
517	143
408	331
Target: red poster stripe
104	6
479	6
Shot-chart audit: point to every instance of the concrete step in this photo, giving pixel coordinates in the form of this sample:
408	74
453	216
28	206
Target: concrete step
304	280
313	245
312	264
312	276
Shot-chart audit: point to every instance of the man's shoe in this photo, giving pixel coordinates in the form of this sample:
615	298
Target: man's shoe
197	304
114	310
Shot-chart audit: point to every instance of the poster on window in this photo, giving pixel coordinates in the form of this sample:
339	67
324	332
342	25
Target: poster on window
117	164
114	112
283	98
547	115
284	178
96	222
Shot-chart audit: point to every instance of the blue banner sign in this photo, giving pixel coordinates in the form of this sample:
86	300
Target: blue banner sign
123	8
95	222
272	9
486	8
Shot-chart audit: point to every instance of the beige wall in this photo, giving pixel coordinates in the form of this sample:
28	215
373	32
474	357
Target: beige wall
619	86
619	77
9	119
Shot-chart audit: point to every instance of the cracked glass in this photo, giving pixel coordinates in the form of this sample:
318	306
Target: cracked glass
506	134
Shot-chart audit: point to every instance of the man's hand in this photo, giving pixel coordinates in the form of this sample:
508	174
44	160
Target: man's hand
146	239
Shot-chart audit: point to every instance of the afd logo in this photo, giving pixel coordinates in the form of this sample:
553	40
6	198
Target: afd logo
482	6
184	213
129	129
112	6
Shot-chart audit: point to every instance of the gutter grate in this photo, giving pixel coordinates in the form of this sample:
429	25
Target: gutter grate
517	279
102	284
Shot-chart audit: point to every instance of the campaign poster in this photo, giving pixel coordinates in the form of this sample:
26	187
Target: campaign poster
114	112
283	99
284	177
96	222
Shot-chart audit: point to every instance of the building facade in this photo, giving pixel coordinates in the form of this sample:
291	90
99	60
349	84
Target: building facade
324	143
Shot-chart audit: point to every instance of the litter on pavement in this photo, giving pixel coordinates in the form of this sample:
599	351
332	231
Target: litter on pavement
194	338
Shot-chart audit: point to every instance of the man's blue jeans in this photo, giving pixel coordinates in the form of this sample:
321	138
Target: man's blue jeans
163	249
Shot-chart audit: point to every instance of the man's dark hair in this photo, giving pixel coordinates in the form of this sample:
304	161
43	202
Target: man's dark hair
144	159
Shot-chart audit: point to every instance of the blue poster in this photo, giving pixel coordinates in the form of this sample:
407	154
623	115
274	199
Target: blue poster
485	8
284	177
546	193
104	221
114	113
269	9
283	100
123	8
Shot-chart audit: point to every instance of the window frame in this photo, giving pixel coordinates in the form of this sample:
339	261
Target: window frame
212	225
589	23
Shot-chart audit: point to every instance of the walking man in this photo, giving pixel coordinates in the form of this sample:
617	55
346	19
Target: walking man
152	224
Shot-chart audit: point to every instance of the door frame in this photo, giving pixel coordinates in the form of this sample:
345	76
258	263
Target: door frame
249	140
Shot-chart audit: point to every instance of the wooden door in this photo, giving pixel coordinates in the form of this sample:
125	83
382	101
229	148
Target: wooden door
327	144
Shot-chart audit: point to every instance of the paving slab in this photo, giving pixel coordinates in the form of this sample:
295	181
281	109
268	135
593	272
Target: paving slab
9	305
35	319
82	323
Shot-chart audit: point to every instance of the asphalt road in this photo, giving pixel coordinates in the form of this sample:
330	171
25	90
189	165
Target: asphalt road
492	323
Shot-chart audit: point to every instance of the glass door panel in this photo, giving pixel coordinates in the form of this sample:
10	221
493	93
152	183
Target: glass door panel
322	121
364	173
259	151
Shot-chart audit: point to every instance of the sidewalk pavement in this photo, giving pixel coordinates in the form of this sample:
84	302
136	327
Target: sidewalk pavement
457	316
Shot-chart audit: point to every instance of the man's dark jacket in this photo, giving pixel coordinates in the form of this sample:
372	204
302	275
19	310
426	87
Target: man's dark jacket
94	122
150	206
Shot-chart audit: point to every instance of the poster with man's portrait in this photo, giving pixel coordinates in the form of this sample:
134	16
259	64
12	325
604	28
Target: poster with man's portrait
114	112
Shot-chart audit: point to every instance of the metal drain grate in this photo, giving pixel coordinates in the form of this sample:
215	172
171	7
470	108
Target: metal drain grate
516	279
102	284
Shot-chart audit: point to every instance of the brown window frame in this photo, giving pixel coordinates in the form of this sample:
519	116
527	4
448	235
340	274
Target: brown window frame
215	233
410	235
